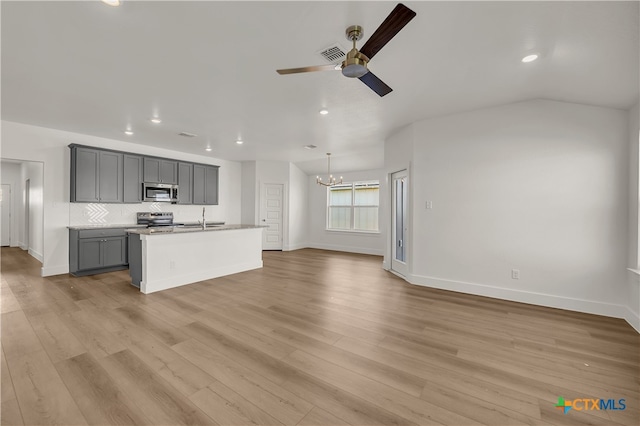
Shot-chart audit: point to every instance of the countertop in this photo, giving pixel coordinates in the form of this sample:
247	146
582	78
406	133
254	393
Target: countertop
101	226
185	230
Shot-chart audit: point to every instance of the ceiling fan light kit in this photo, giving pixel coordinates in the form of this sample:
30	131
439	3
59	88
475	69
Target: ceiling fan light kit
356	63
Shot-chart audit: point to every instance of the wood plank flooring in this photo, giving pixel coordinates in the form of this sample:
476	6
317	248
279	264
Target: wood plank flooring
313	338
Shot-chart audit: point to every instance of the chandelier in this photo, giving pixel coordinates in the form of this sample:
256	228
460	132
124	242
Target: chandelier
332	181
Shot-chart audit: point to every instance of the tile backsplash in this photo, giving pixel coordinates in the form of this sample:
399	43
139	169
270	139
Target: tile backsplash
125	214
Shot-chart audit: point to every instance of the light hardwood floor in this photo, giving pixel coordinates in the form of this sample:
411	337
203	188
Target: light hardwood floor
313	338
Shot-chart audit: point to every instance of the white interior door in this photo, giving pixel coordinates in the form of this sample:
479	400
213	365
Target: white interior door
271	215
5	202
399	225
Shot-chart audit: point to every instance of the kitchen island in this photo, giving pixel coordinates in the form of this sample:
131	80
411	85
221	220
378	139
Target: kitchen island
163	258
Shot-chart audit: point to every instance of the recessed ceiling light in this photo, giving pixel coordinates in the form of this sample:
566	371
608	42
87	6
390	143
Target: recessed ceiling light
530	58
155	120
324	111
128	132
208	148
239	142
111	2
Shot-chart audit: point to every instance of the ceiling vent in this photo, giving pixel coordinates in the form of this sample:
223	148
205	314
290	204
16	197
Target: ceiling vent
310	146
334	53
187	134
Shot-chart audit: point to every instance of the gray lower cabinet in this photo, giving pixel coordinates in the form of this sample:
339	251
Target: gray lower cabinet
132	178
205	184
96	176
94	251
185	183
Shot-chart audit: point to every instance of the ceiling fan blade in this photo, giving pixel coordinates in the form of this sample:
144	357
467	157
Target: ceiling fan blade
375	84
397	19
330	67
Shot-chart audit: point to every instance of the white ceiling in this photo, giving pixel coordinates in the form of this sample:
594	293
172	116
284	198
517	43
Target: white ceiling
209	68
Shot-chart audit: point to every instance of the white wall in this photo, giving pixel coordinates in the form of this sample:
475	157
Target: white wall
633	262
398	154
298	209
248	195
257	173
49	146
11	176
34	171
319	237
538	186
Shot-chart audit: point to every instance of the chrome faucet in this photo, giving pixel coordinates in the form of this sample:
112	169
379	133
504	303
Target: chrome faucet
204	222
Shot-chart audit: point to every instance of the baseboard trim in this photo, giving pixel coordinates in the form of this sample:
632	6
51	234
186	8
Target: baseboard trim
37	255
54	270
541	299
359	250
632	318
295	247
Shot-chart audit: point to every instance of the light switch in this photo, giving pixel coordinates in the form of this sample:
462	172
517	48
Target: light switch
429	205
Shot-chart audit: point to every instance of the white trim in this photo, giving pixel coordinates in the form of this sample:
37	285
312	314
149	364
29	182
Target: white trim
37	255
295	247
360	250
632	318
54	270
635	271
353	231
541	299
189	278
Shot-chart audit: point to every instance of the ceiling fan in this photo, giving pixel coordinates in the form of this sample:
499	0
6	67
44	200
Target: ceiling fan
355	64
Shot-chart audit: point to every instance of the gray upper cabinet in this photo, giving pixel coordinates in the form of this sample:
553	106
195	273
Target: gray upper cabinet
110	177
185	183
132	178
105	176
205	184
160	170
96	176
84	175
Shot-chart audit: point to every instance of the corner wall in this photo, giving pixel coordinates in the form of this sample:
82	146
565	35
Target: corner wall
537	186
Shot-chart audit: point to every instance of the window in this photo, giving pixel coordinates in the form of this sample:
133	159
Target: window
353	206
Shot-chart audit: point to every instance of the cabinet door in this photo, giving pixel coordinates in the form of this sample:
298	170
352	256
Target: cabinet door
110	177
211	185
185	183
84	178
169	171
89	253
114	251
132	165
198	184
151	169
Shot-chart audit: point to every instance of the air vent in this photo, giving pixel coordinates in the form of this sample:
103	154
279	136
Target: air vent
187	134
310	146
333	53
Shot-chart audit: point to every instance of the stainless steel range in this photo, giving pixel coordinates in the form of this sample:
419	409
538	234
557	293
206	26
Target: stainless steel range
155	219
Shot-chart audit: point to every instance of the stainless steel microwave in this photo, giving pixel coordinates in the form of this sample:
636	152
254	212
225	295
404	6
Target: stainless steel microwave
161	192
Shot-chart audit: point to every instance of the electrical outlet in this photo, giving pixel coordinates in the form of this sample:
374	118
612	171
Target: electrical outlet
429	205
515	274
172	264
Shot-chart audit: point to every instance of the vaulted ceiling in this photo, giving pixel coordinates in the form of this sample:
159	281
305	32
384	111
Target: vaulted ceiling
208	68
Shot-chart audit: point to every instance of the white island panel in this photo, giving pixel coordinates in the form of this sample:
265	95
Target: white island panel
175	259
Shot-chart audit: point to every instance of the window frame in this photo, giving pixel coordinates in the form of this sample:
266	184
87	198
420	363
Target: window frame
352	208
